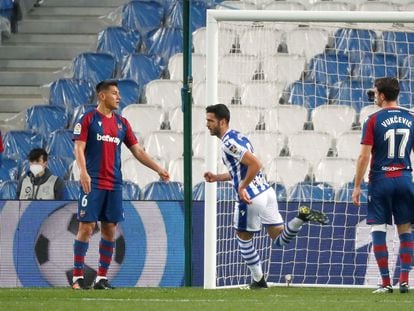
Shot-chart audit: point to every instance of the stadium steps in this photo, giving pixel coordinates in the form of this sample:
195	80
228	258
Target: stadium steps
49	37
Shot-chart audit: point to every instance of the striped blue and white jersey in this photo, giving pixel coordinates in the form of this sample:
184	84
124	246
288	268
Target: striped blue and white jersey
234	146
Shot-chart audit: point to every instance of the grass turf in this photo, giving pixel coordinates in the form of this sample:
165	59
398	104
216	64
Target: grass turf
276	298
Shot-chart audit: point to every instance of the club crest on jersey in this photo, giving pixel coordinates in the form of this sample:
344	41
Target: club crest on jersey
119	126
77	129
100	123
233	148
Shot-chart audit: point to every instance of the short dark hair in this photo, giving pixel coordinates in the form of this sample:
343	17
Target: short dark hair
389	87
220	111
36	153
105	84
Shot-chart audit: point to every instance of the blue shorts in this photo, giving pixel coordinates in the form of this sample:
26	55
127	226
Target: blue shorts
388	197
101	205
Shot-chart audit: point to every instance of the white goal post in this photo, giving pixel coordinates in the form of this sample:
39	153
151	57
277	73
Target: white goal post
214	17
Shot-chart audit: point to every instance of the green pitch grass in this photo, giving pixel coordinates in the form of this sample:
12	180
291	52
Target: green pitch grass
276	298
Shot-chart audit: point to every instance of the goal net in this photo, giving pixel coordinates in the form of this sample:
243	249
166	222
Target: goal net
296	83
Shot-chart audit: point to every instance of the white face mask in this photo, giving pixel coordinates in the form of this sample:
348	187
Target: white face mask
36	169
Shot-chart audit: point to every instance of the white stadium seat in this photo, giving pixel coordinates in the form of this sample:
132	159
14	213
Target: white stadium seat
285	118
307	41
245	118
237	69
166	93
260	41
334	119
226	91
165	144
143	118
225	40
366	111
348	144
287	170
176	170
283	68
198	63
198	114
331	6
267	145
261	93
134	171
335	171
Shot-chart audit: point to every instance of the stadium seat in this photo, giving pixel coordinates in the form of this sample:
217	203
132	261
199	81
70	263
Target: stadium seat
4	174
176	170
78	112
237	69
60	143
225	191
407	68
74	172
331	6
303	144
226	39
119	42
285	6
347	40
140	68
198	65
236	5
70	93
260	40
262	93
334	119
329	68
12	167
283	68
174	14
72	190
17	144
352	93
288	170
199	145
308	94
46	118
375	65
344	194
143	118
137	173
8	190
94	67
285	118
198	119
267	145
129	91
348	144
226	92
405	98
280	189
166	93
366	111
143	16
130	191
397	42
164	43
245	118
161	191
335	171
307	41
374	6
165	144
311	192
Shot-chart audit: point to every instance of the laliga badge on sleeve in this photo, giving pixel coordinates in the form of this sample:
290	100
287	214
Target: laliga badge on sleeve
77	129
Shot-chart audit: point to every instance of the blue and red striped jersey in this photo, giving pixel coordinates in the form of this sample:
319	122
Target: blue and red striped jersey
390	133
103	137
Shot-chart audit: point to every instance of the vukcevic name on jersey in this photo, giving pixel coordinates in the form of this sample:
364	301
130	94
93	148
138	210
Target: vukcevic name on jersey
390	132
234	145
103	137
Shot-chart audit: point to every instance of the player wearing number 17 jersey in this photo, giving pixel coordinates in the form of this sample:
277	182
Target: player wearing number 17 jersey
257	203
388	139
98	137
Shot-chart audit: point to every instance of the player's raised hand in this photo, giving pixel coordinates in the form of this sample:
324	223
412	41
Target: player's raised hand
210	177
165	176
85	181
244	196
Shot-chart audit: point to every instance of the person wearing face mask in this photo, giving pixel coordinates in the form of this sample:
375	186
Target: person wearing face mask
39	183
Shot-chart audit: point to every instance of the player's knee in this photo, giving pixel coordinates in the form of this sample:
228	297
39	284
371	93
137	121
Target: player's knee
85	231
382	228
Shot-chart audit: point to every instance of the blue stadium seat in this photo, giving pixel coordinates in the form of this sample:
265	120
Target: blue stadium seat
308	94
130	191
60	143
174	14
140	68
407	68
143	16
225	191
119	42
70	93
4	174
72	190
164	43
352	93
12	167
17	144
397	42
46	118
161	191
344	194
405	99
374	65
280	190
94	67
8	190
347	40
315	192
329	68
130	92
78	112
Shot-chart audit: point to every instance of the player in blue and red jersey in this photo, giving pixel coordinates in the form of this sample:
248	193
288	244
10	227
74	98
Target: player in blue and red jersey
387	139
98	137
257	200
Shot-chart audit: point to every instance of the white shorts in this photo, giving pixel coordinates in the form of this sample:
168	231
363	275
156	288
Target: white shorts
263	210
